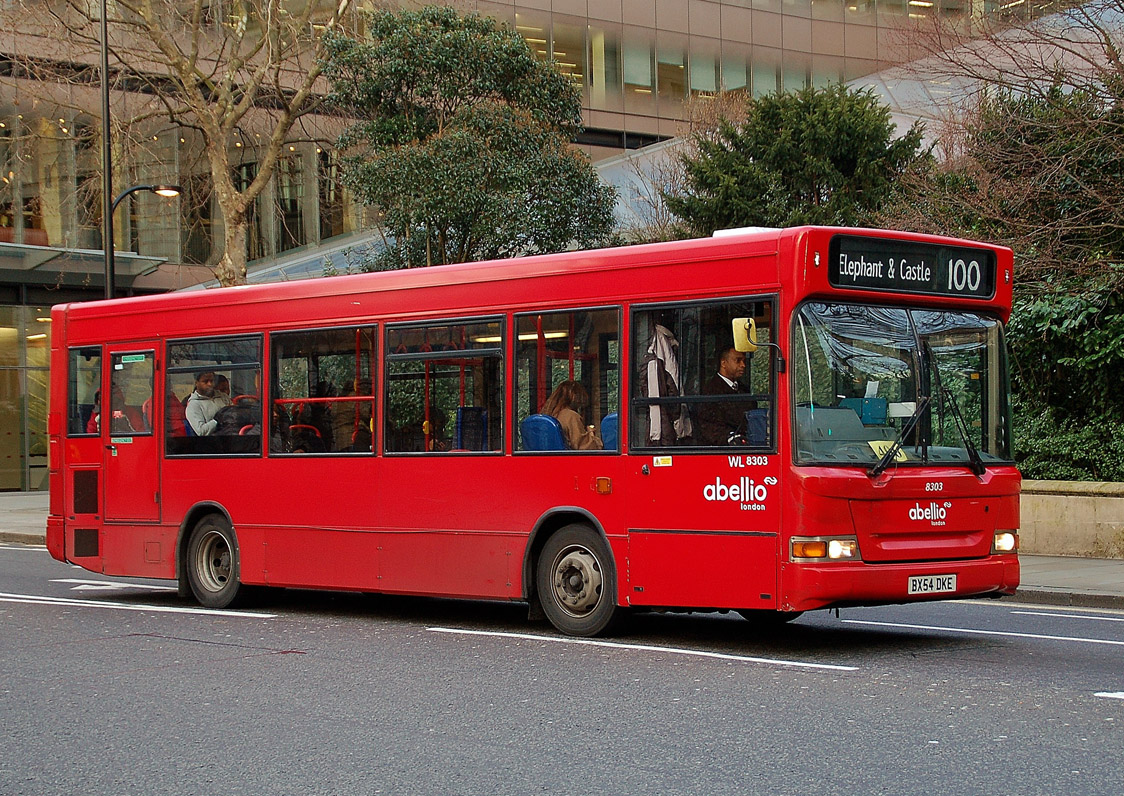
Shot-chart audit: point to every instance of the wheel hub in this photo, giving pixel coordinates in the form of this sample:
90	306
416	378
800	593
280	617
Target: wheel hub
215	559
577	581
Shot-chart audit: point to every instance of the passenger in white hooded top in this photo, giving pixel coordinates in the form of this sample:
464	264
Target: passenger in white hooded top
202	405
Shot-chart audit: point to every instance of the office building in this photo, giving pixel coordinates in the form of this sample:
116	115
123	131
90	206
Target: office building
639	64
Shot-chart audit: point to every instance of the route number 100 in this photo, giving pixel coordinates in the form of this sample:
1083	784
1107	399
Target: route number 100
963	275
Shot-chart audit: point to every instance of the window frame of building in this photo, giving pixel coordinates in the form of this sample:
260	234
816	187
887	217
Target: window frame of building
289	177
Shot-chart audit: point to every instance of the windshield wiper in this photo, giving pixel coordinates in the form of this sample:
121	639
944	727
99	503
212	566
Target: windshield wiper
907	427
977	465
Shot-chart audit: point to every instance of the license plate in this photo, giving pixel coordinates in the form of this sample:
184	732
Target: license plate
932	584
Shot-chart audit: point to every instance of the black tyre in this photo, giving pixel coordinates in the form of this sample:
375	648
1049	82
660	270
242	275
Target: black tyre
575	581
212	562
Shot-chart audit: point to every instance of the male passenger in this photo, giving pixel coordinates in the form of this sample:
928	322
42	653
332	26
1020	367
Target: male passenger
125	418
202	405
723	422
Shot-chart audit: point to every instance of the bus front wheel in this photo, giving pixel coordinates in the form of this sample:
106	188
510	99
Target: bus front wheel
574	579
769	620
212	562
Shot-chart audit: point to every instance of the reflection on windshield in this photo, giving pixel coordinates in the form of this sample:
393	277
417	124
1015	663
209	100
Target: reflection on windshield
860	374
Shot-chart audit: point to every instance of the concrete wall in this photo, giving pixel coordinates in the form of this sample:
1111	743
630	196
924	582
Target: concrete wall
1073	518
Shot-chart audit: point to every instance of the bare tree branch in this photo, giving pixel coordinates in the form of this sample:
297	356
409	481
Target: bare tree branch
256	69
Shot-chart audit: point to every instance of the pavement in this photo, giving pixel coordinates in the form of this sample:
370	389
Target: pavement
1046	580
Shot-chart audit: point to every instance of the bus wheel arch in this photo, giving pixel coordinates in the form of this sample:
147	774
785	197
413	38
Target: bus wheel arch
208	557
548	524
575	576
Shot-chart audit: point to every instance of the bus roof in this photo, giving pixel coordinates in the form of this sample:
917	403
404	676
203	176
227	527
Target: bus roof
725	246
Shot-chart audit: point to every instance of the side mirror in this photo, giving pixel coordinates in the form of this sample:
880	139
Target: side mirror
745	340
745	335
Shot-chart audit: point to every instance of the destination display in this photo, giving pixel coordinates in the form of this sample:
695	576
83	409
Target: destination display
907	267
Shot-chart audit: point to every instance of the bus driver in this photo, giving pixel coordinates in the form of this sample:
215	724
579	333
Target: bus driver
723	423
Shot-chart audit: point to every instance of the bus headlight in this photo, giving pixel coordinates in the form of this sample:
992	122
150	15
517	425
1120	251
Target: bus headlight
842	548
1005	542
824	548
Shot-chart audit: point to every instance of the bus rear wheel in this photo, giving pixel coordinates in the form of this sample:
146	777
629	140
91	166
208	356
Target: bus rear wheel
212	562
574	579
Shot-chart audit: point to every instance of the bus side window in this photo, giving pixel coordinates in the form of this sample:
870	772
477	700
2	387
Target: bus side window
572	355
322	395
692	387
212	397
444	387
83	390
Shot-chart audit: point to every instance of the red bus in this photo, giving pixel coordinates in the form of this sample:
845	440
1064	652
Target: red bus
766	421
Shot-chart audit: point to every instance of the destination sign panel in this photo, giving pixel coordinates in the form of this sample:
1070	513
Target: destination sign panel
900	266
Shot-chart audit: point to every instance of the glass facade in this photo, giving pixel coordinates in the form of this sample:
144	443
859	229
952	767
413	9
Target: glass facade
25	345
290	202
639	65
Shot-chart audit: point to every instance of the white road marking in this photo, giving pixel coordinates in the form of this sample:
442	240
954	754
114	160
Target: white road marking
33	599
102	585
12	546
646	648
1110	694
1071	616
985	632
1011	603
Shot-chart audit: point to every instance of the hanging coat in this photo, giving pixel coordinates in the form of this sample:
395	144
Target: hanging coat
659	378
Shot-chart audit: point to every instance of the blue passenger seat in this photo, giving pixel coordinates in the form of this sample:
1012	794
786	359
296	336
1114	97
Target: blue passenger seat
542	433
609	429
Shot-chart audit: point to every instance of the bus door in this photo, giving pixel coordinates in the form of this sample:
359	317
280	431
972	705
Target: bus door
125	422
703	530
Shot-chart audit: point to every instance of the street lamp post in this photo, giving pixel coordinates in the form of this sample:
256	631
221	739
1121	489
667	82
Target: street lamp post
168	191
107	163
106	156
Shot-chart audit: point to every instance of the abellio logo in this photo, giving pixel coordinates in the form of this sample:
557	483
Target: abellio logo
935	513
743	490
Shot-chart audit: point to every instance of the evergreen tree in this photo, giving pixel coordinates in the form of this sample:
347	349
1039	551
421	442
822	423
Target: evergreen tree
463	144
816	156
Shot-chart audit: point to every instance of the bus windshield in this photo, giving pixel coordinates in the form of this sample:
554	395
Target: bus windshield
931	385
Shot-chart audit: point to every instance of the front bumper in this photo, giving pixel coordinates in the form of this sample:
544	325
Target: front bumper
805	587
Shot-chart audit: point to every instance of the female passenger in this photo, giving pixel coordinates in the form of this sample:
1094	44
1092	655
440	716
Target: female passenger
565	404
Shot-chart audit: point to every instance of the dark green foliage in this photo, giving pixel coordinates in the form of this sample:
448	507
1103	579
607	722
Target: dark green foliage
1043	172
1052	448
1067	350
463	147
816	156
1067	347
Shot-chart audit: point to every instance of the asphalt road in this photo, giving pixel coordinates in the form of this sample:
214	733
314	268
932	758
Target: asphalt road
111	686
